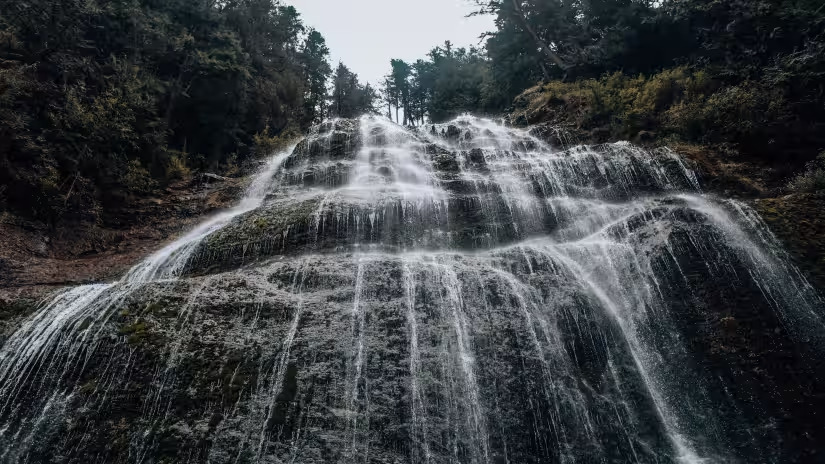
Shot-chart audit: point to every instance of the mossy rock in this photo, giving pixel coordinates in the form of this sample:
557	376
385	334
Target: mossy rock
798	221
13	309
142	333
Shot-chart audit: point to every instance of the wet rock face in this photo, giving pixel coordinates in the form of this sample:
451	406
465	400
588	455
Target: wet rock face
396	190
453	132
383	295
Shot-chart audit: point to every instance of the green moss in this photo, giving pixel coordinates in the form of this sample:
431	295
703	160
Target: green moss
88	388
262	224
85	324
10	309
139	326
155	307
798	221
137	333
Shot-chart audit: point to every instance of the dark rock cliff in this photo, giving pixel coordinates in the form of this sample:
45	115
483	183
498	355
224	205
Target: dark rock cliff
383	295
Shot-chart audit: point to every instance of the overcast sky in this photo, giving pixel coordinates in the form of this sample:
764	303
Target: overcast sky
366	34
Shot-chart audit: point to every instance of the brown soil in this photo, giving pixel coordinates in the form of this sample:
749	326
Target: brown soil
35	258
798	220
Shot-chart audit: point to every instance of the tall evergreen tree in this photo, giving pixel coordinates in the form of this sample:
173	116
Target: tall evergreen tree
315	56
400	75
389	95
451	81
349	98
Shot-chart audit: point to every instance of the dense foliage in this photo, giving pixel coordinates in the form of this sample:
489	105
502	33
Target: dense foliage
742	72
350	98
101	101
448	82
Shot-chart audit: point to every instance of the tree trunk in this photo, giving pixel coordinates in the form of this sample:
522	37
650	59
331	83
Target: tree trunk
553	56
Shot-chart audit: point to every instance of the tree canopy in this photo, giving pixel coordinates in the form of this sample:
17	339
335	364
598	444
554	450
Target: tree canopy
350	98
544	40
448	82
100	101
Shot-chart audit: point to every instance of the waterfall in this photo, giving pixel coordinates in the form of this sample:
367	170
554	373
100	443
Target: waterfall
384	294
68	328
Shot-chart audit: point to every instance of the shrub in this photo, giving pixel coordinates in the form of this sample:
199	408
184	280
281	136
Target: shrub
629	104
176	168
231	167
757	117
812	180
136	179
266	144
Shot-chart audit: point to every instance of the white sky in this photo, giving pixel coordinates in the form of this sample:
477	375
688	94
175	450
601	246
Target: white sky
366	34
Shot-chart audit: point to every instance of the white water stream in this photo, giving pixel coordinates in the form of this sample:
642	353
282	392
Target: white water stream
483	299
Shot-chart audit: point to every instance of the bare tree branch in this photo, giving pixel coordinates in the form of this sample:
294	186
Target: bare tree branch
553	56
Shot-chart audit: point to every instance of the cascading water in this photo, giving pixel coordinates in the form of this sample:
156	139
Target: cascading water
464	293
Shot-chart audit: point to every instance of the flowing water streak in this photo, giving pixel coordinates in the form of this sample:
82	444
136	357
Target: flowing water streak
276	377
531	313
166	373
795	299
417	410
30	354
479	426
172	259
165	379
505	302
357	348
451	289
36	339
686	452
598	251
72	322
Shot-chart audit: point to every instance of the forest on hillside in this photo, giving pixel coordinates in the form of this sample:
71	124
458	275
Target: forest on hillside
101	102
104	101
748	74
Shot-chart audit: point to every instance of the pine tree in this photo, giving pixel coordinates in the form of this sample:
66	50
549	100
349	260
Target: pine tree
314	56
349	98
400	76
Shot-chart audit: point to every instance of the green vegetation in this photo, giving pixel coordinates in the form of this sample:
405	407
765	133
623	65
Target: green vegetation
349	97
747	74
812	180
685	104
136	332
104	101
449	82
